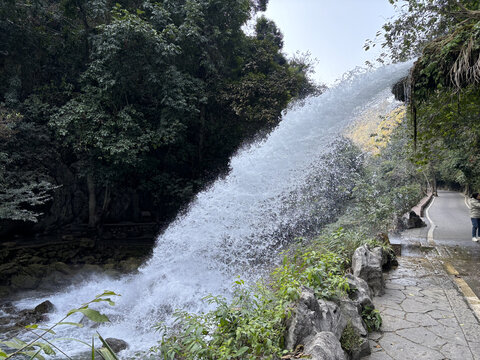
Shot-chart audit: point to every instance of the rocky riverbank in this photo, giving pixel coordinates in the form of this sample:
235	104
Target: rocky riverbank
50	263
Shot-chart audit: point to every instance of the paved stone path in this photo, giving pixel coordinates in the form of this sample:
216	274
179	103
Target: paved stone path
424	315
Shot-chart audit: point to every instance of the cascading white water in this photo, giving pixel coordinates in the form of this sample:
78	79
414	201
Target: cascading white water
231	227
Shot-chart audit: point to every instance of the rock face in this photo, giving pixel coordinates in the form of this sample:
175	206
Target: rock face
49	265
318	324
359	291
311	316
116	345
44	308
36	315
367	264
325	346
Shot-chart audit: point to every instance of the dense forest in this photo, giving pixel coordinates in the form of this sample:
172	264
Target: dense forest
122	110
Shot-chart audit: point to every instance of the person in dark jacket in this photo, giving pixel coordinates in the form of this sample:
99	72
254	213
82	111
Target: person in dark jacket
474	206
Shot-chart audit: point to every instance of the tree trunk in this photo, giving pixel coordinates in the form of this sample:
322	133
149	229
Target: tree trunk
92	201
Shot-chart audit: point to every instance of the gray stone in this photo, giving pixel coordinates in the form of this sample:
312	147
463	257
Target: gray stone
25	282
44	308
116	345
62	267
352	312
367	264
324	346
9	268
359	291
311	316
362	350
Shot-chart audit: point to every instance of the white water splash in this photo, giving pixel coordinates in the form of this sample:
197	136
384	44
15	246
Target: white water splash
229	229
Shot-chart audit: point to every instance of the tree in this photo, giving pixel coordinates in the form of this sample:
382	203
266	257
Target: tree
417	23
18	202
141	102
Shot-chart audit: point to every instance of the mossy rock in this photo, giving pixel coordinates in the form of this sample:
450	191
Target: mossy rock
62	268
36	270
25	282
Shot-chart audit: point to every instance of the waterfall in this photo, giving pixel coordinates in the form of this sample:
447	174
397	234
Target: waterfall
231	228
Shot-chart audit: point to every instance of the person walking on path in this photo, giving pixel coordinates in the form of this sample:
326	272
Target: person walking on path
474	206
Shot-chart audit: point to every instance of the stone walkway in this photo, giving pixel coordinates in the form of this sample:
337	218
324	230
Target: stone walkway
424	315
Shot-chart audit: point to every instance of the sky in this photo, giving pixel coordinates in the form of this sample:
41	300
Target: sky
333	31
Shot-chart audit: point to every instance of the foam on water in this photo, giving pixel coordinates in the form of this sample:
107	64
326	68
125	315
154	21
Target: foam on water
230	228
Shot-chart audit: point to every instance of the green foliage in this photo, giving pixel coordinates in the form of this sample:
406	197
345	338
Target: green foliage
41	345
249	327
18	202
372	319
322	271
417	23
142	97
350	339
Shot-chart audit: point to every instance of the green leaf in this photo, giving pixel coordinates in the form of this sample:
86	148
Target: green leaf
14	344
70	323
47	349
110	302
106	354
93	315
242	351
107	293
107	351
33	354
2	354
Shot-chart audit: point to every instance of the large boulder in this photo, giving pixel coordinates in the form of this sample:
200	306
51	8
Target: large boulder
353	313
359	291
36	315
311	316
44	308
324	346
116	345
367	264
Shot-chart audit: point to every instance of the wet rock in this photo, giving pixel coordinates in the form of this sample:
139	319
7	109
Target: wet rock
88	260
25	282
62	268
36	315
54	279
367	265
7	308
36	270
324	346
129	265
92	268
44	308
116	345
37	260
28	317
9	269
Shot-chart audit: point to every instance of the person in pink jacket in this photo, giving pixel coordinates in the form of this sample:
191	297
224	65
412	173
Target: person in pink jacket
474	206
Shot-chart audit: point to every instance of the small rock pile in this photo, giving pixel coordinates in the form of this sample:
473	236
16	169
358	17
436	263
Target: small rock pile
317	325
